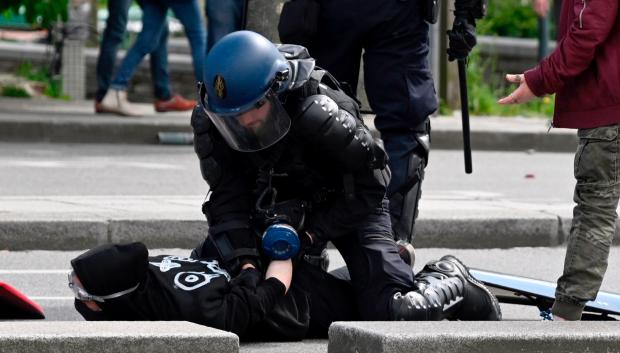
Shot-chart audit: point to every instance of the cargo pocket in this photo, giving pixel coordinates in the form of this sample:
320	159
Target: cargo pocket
422	97
596	160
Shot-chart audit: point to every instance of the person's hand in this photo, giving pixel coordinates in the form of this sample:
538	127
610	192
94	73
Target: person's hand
247	266
522	94
541	7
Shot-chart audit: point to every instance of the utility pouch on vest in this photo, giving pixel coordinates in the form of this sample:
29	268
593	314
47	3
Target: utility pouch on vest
299	22
430	10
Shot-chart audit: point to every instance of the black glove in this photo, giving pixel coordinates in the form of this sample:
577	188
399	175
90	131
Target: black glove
462	39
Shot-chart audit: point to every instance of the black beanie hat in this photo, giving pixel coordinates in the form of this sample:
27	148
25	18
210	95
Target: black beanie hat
111	268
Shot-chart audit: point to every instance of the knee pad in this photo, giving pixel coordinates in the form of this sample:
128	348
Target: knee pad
405	192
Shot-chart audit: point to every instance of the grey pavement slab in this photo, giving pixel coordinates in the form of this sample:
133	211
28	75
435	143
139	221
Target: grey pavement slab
45	120
103	337
305	346
80	222
483	337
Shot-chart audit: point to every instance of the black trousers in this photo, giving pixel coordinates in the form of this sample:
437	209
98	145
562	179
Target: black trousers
395	41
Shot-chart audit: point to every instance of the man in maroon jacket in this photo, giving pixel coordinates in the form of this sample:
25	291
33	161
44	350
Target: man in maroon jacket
584	72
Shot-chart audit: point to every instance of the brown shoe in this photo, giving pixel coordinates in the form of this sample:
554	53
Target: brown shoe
175	103
98	108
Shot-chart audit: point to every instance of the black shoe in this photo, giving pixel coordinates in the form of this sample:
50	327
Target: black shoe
479	304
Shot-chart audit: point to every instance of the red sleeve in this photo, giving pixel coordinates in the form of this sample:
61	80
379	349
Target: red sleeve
592	24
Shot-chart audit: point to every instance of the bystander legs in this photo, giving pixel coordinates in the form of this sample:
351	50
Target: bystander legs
153	25
223	17
116	25
583	72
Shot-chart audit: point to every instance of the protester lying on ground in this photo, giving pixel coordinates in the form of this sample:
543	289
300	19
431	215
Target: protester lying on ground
120	282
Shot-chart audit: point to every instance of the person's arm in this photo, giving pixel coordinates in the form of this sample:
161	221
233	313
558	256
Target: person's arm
575	52
282	270
345	142
230	202
250	299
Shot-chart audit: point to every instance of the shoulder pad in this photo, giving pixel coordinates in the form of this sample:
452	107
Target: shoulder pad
336	131
203	146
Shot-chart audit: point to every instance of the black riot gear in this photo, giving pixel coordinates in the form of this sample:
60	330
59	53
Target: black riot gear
446	290
331	163
406	188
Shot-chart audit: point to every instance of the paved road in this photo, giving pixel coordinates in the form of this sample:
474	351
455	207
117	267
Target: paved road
42	274
80	169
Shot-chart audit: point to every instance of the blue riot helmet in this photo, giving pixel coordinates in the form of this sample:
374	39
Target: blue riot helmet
244	74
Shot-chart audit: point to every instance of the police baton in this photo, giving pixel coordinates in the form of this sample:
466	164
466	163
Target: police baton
465	113
462	39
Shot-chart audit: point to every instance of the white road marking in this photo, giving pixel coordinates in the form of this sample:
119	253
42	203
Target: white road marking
92	163
51	298
33	272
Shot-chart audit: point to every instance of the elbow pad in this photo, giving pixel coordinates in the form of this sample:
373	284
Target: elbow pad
203	146
339	133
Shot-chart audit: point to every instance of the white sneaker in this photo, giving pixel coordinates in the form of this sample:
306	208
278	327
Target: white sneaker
115	101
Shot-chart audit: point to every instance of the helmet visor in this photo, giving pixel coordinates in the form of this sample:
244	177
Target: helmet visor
257	128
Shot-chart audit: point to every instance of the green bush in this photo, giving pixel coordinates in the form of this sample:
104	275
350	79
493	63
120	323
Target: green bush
509	19
14	91
40	13
53	86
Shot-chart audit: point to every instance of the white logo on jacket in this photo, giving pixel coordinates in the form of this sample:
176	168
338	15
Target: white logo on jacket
191	280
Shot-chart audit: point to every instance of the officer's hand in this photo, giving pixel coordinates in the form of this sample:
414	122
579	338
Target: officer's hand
522	94
462	39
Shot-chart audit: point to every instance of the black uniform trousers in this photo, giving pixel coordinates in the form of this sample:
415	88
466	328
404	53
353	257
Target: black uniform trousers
397	75
394	37
376	270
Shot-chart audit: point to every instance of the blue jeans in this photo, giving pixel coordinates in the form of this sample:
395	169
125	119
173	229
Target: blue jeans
224	16
116	25
153	25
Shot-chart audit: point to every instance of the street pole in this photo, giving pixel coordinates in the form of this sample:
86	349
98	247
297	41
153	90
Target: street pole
543	36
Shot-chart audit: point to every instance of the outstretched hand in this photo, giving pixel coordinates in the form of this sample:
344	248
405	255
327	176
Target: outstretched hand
522	94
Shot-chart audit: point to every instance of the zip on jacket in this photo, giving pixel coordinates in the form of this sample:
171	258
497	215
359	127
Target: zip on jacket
585	4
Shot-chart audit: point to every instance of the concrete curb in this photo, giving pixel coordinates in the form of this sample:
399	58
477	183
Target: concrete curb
43	120
144	131
81	222
487	337
104	337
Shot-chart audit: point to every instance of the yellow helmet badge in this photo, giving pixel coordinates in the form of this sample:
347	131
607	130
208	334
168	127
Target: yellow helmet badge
220	86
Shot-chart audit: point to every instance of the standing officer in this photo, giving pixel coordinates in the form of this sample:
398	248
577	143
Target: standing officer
395	39
285	153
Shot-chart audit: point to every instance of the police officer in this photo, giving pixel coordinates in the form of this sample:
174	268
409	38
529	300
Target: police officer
394	36
280	144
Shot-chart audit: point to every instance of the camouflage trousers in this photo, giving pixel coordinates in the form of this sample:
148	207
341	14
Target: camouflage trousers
597	169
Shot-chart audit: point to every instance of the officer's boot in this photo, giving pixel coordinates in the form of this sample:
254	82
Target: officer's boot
446	290
479	303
